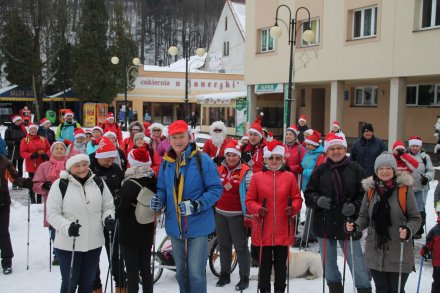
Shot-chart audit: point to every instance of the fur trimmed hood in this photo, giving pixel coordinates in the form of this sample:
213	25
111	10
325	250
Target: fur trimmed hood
405	178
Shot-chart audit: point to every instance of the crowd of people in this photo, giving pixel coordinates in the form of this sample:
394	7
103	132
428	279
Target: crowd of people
99	188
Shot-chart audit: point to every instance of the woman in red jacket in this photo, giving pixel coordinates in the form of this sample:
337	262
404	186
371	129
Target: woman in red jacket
274	199
34	149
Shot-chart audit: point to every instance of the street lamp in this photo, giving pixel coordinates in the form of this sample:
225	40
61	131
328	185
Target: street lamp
308	36
127	81
186	46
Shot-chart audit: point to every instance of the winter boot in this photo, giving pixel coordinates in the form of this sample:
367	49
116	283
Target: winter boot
97	290
223	280
55	261
121	290
335	287
267	290
419	233
7	271
279	290
364	290
243	284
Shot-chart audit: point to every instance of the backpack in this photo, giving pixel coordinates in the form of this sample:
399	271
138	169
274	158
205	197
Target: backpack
402	194
142	207
64	183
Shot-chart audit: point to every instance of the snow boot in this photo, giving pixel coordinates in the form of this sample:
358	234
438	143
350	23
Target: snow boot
55	261
364	290
223	280
7	271
243	284
335	287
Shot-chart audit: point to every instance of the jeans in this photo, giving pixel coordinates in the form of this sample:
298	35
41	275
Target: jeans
84	269
332	273
190	255
388	282
5	239
421	199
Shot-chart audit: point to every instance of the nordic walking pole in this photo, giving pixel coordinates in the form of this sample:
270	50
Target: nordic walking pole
112	248
289	204
352	263
28	228
50	253
345	261
420	274
153	253
111	261
71	263
325	255
261	246
402	243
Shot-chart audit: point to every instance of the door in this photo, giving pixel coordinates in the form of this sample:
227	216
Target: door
318	110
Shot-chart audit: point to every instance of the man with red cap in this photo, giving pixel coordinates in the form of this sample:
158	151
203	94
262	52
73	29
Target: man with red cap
45	131
302	127
13	136
66	129
252	154
188	186
111	125
215	146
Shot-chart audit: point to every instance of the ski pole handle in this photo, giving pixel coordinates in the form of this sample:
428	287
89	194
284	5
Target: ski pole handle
264	202
289	201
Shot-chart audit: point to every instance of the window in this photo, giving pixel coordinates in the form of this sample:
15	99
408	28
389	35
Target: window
365	96
225	114
226	23
302	97
266	41
364	22
225	48
314	28
272	117
423	95
430	13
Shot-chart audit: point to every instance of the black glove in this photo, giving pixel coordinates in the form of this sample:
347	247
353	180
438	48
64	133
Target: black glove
28	183
218	160
46	185
424	251
34	156
110	223
350	221
348	209
45	157
324	202
424	180
400	151
74	229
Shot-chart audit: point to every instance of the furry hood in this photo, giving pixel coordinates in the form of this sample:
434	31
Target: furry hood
403	179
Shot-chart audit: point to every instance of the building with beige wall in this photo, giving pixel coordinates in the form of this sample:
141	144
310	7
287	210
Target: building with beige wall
372	61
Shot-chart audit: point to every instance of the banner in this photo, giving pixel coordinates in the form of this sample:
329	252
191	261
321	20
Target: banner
240	117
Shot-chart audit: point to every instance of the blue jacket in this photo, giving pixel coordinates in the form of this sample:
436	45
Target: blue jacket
206	190
66	131
365	152
91	148
308	164
3	147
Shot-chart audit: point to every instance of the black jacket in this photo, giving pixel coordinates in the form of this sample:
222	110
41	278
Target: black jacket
112	176
365	153
13	136
49	134
131	233
330	223
8	173
301	130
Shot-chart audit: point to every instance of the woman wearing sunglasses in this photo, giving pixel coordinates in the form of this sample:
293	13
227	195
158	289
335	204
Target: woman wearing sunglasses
274	199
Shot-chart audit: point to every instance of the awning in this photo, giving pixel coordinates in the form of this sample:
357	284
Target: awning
220	98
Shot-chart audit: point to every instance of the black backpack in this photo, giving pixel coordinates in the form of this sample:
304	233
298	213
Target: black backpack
64	183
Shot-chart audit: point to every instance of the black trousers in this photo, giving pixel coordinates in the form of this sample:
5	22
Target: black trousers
18	164
279	256
388	282
436	276
32	194
138	262
5	239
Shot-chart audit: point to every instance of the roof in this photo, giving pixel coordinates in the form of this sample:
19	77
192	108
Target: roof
239	12
220	98
194	63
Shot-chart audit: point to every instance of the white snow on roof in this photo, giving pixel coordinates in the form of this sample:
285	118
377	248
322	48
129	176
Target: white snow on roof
239	10
8	88
220	98
194	63
59	93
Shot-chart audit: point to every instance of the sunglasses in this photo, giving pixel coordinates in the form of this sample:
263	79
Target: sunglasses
156	130
275	158
217	130
135	129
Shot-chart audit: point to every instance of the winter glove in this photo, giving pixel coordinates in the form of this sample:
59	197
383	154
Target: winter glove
34	155
324	202
400	151
110	223
45	157
348	223
189	207
424	251
156	204
218	160
28	183
47	185
74	229
247	223
289	211
262	212
348	209
299	170
423	179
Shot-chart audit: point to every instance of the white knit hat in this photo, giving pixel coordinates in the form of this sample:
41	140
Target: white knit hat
76	159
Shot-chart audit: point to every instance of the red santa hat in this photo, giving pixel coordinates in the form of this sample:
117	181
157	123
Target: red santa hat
110	116
79	132
293	129
415	140
156	125
15	118
68	112
302	118
75	159
31	125
273	148
314	138
269	137
88	131
246	136
55	143
336	124
44	121
334	139
233	147
139	157
97	128
257	126
110	133
178	126
398	145
106	149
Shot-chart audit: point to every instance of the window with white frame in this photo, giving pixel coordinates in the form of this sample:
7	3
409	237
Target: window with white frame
225	48
266	41
315	28
365	96
364	22
423	95
430	13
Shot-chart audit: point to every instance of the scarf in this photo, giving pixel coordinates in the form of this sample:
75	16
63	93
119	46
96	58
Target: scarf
381	216
338	184
137	172
57	167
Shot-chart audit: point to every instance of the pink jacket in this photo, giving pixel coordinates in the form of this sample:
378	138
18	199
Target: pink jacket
47	171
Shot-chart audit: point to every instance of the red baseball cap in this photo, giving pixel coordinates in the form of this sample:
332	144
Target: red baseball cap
178	126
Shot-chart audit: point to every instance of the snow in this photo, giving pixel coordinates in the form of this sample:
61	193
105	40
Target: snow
194	63
239	11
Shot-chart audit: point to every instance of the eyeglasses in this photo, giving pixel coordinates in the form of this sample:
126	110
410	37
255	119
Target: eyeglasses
275	158
156	130
217	130
135	129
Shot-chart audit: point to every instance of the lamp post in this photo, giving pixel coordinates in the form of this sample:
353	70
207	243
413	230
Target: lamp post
186	46
136	62
308	36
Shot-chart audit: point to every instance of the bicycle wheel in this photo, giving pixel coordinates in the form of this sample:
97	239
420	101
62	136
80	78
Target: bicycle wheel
214	258
158	269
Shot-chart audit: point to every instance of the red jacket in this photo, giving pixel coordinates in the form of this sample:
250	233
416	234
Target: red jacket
433	244
210	149
275	186
293	156
127	145
230	199
33	144
113	127
406	162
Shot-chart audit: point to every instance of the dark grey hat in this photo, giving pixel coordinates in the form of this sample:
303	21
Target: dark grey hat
385	159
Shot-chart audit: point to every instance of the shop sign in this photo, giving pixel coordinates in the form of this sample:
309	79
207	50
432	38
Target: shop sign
196	84
240	117
213	100
269	88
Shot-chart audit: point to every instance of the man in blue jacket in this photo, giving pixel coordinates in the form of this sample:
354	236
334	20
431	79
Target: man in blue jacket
188	187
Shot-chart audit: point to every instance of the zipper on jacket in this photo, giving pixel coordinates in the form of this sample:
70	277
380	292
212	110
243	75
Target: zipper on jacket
274	206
